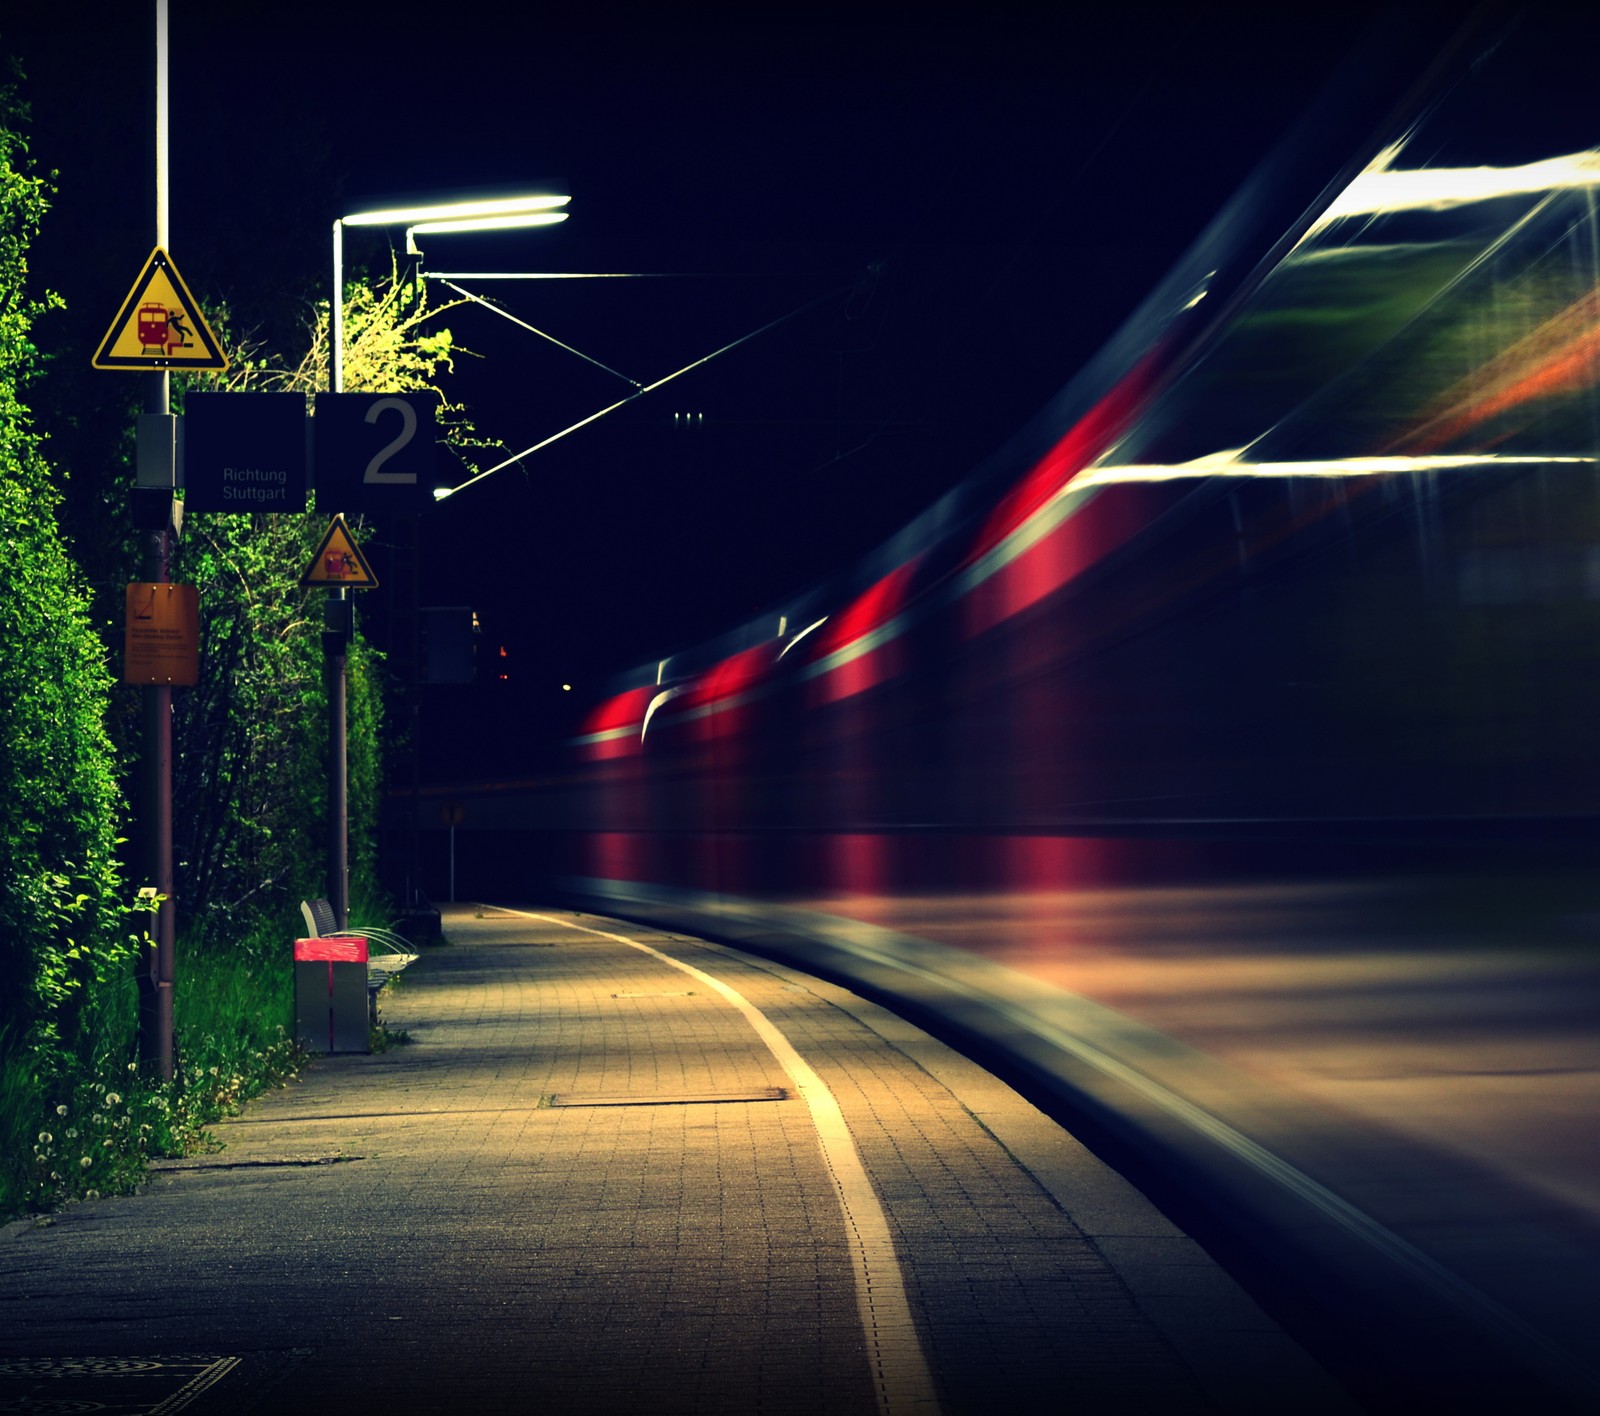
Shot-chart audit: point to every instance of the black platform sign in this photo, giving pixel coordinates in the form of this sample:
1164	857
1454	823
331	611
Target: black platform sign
244	452
373	451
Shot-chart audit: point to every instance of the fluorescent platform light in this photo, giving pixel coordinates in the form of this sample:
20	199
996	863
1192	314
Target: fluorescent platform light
454	211
489	223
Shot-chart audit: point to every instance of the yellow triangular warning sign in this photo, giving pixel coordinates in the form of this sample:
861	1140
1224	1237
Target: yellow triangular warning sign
159	325
339	561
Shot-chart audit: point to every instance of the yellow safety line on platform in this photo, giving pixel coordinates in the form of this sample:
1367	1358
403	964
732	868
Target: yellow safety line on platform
899	1367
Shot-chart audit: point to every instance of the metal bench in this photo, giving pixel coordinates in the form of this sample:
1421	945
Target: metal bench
387	952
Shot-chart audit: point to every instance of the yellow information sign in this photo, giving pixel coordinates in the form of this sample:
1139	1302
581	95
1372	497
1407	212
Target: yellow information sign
161	634
339	561
159	326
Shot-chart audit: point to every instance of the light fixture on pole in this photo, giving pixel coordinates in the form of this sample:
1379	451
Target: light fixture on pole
468	214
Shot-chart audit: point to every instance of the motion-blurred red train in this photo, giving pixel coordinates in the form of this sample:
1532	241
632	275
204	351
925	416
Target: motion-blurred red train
1219	761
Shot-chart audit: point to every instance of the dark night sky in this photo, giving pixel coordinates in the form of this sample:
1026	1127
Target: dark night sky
1018	176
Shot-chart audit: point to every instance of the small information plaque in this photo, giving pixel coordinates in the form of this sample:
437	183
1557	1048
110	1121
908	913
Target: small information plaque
161	634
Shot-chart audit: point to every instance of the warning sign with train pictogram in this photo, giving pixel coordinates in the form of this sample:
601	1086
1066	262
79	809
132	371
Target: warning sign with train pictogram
339	561
159	326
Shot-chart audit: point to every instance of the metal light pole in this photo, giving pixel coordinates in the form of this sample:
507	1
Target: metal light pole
155	977
337	616
481	214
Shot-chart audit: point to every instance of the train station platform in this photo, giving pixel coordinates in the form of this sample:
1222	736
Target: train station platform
620	1170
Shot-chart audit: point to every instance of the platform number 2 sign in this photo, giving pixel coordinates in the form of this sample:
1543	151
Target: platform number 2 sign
372	452
375	476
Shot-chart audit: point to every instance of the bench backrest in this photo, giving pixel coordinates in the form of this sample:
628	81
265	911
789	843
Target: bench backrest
319	918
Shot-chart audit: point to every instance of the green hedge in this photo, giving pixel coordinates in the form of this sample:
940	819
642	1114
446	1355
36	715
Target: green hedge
64	945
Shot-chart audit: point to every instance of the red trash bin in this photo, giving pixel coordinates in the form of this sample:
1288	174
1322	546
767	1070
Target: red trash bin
330	995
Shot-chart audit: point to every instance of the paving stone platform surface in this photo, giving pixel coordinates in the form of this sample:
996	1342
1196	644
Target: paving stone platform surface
589	1184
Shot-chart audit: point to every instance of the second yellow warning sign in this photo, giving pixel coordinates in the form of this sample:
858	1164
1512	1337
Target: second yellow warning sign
339	561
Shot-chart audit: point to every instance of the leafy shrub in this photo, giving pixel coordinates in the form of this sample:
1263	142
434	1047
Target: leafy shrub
62	941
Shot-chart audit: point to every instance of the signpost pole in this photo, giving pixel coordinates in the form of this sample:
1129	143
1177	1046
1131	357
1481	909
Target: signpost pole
336	640
158	965
338	565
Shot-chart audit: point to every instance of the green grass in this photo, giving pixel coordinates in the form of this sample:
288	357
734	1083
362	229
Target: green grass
94	1131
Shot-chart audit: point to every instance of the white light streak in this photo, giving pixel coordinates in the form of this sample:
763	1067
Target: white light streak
1383	188
807	630
660	700
1234	464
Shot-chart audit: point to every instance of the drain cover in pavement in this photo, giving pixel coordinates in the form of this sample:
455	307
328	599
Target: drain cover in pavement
117	1386
663	1098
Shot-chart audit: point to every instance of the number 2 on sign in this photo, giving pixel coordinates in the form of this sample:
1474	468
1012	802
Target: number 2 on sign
375	475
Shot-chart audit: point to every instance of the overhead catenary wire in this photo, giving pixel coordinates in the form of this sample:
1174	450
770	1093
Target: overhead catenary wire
522	323
565	275
641	392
